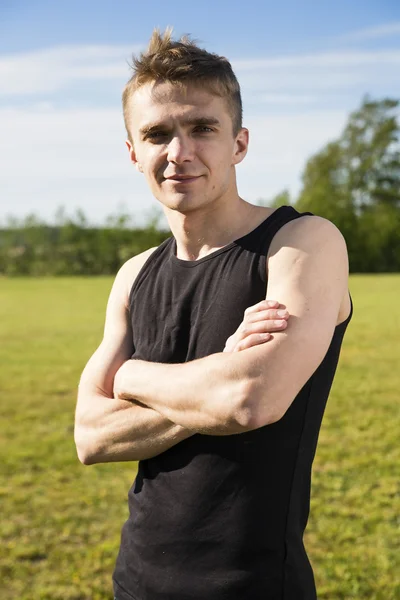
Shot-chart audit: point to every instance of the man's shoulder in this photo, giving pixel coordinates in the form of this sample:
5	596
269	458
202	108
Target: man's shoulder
136	262
127	274
306	233
311	250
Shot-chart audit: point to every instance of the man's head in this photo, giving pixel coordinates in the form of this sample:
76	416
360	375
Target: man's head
182	63
183	114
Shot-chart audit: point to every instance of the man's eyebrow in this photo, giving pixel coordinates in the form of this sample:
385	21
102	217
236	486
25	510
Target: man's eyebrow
203	120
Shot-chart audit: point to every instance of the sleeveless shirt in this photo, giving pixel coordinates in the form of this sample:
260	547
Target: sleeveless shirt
219	517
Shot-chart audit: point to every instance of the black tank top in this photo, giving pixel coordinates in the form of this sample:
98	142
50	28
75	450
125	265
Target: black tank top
219	517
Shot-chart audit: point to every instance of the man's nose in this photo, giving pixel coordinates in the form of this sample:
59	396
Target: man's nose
180	149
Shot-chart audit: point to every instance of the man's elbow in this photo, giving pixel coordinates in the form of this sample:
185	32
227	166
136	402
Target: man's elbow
250	410
86	458
257	409
85	448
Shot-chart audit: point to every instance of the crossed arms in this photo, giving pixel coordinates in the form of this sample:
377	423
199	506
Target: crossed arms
131	409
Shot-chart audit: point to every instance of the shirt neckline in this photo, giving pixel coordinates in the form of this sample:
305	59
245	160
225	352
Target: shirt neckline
188	264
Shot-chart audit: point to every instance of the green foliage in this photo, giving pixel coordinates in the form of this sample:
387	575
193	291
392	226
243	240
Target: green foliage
61	521
355	182
72	246
281	199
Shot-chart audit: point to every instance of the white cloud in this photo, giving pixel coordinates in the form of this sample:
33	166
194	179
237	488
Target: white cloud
373	33
284	99
75	158
62	143
326	59
279	148
53	69
309	76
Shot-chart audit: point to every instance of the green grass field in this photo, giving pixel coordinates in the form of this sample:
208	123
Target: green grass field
60	521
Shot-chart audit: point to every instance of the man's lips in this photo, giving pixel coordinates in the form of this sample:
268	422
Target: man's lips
182	178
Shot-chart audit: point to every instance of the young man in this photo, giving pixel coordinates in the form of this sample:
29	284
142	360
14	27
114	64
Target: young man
223	419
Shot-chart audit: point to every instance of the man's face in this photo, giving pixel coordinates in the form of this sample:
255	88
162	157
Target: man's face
184	144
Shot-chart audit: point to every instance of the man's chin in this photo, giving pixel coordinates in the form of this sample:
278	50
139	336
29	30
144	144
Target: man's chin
183	203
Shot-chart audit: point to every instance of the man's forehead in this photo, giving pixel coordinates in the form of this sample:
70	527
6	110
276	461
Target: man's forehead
152	105
157	96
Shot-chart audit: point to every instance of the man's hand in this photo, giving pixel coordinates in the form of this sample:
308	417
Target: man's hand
258	323
121	385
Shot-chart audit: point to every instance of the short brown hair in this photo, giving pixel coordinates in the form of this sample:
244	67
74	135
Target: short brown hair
182	62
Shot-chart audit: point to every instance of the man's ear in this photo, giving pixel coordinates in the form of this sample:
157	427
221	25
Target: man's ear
132	156
241	146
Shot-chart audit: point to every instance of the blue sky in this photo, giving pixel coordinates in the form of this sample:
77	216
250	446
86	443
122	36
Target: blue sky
303	66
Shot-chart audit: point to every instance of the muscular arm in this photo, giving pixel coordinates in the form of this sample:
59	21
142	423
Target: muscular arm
230	393
115	429
108	428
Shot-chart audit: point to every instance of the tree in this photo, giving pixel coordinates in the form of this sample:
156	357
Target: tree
280	199
355	182
361	168
371	146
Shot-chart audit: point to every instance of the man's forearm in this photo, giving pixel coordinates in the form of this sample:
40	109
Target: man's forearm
112	430
209	395
205	395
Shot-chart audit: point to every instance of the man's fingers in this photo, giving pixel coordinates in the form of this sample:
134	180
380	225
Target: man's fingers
266	315
270	303
263	326
258	328
259	320
252	340
263	305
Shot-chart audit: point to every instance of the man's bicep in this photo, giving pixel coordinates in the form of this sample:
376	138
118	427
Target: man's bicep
308	272
116	345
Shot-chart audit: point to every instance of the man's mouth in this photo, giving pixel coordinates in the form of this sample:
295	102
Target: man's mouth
182	178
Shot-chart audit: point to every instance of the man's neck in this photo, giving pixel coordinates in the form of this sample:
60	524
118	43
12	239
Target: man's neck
202	232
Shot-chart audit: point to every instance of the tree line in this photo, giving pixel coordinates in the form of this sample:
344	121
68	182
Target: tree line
72	246
353	181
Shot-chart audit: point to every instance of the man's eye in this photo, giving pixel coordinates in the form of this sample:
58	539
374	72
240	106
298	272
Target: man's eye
155	134
204	128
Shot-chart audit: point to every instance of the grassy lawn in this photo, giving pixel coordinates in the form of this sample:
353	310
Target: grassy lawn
61	521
